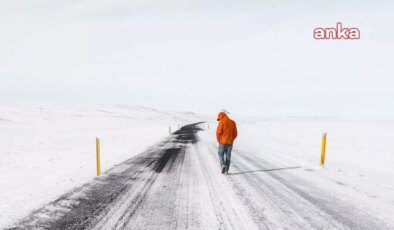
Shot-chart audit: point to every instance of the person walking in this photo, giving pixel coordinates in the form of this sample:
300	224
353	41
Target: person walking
226	133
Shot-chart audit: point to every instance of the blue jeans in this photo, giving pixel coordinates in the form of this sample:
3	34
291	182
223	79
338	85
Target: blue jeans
225	155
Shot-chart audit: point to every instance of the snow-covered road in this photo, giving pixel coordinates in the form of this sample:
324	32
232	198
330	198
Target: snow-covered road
178	185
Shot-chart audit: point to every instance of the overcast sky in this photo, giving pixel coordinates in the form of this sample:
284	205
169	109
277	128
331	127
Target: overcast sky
249	57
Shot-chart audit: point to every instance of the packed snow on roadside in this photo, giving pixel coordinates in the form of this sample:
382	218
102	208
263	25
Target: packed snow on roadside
45	151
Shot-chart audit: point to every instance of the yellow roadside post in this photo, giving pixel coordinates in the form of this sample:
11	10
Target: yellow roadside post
169	129
323	150
98	155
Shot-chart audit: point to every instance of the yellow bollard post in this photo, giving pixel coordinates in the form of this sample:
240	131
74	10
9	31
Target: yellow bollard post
169	129
98	155
323	150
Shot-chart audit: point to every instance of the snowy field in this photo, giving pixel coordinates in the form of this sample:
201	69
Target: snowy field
45	152
360	151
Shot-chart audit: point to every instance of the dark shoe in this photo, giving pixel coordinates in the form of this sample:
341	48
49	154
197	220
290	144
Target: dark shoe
223	170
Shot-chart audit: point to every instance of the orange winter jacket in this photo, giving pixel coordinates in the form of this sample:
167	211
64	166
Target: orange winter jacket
227	129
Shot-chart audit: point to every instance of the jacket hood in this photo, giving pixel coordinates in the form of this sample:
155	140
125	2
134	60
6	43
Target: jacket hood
222	116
